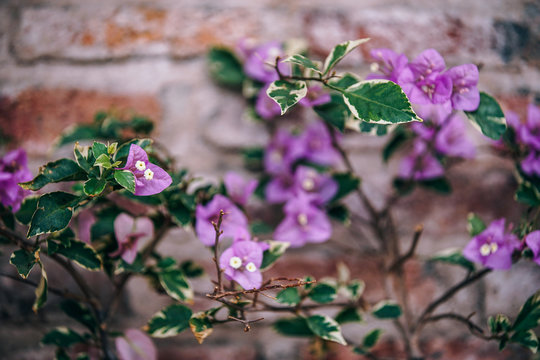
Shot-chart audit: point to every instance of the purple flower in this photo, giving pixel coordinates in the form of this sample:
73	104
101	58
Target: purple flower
282	151
260	63
423	79
321	187
493	247
533	242
233	221
265	107
451	140
85	221
465	95
13	170
244	48
316	96
318	145
242	262
424	130
280	189
436	113
420	164
238	189
135	345
389	63
303	223
150	179
531	164
530	131
129	234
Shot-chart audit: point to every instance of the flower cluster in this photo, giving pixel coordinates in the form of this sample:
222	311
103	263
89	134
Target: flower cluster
436	94
527	136
13	170
304	190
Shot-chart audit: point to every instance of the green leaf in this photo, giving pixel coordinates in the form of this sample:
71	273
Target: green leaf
526	338
225	68
253	158
61	354
374	129
76	133
28	207
296	326
126	179
440	185
53	213
347	315
499	324
323	293
304	62
347	183
379	101
355	289
180	211
111	148
41	291
340	213
286	94
386	309
136	267
99	149
84	157
200	326
170	321
327	328
488	118
475	225
345	80
335	112
53	172
529	314
176	285
104	161
288	296
403	186
528	194
191	269
62	337
453	256
259	227
79	312
339	52
371	338
274	252
398	139
81	253
24	261
123	150
93	187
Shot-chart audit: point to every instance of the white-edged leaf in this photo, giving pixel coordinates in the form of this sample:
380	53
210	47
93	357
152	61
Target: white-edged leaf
170	321
339	52
327	328
176	285
286	94
274	252
304	62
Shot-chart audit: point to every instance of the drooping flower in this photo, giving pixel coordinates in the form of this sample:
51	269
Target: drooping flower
239	189
451	139
13	170
321	187
265	107
420	164
85	220
388	62
303	223
465	94
493	247
135	345
318	145
150	179
424	80
130	234
261	61
530	131
533	242
282	151
316	96
242	262
232	220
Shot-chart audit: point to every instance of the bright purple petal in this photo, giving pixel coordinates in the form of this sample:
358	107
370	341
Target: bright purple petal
159	181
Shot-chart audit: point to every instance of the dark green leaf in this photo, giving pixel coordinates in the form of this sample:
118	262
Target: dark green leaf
323	293
104	161
61	354
175	284
253	158
84	157
340	213
53	172
453	256
347	183
303	61
440	185
489	117
386	310
170	321
346	80
499	323
288	296
348	314
398	138
24	261
270	256
79	312
335	112
77	133
191	269
126	179
41	291
528	194
339	52
286	94
123	150
526	338
136	267
327	328
53	213
355	289
99	149
475	225
373	128
371	338
94	187
62	337
403	186
529	314
225	68
28	207
296	326
83	254
260	228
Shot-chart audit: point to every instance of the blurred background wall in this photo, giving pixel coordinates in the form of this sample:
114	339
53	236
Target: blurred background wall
63	60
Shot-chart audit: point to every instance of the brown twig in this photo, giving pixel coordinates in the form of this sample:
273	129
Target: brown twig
220	295
247	323
475	329
219	232
60	292
398	264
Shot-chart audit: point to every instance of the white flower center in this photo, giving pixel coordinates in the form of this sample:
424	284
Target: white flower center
374	67
140	165
494	247
308	184
235	262
251	267
148	174
488	249
302	219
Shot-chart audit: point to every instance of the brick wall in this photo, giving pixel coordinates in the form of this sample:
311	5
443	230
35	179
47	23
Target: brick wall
62	60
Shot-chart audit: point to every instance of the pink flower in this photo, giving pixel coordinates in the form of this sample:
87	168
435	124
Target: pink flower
239	189
135	345
129	234
150	179
465	94
85	221
533	242
13	170
242	262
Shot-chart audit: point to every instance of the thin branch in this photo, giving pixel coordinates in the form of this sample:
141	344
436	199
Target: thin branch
219	232
60	292
475	329
260	290
247	323
398	264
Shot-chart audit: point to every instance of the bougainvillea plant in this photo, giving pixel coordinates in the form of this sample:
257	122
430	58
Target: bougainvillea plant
120	194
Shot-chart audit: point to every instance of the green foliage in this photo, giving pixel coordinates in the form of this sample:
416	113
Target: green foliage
527	339
348	314
386	309
529	314
182	207
475	225
191	270
340	213
369	341
440	185
175	284
289	296
527	193
53	213
201	326
123	150
56	171
488	118
499	323
84	255
253	158
225	68
274	252
94	187
24	261
296	326
453	256
347	183
126	179
398	139
326	328
80	313
355	289
170	321
304	62
286	94
323	293
62	337
28	207
335	112
339	52
41	290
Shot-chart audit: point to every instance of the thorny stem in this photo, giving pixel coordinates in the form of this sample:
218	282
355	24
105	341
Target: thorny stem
219	232
260	290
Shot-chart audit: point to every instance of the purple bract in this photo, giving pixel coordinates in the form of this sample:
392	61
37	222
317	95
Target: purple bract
239	189
13	170
260	63
389	63
465	94
242	262
130	233
533	242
